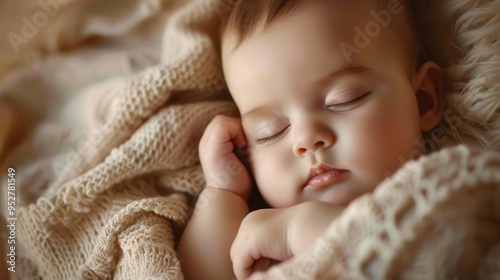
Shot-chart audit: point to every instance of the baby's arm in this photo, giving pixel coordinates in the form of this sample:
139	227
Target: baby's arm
270	235
205	244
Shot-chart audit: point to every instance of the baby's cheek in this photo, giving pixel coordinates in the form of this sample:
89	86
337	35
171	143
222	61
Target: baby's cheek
274	177
383	140
398	138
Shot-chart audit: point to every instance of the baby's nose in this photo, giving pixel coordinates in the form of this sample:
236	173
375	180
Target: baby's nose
310	136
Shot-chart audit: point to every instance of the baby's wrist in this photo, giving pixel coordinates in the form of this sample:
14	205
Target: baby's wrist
213	192
242	191
215	198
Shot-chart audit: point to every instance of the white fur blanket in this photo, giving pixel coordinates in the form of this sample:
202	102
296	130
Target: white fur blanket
105	180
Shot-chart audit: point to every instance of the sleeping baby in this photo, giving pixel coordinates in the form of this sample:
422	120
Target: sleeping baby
332	95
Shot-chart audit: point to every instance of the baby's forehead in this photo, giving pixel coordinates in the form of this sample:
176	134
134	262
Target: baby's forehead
358	22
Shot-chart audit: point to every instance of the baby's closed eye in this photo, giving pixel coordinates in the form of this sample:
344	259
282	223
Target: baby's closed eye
272	131
353	101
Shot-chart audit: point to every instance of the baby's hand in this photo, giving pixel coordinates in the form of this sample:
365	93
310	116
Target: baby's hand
270	236
262	241
221	166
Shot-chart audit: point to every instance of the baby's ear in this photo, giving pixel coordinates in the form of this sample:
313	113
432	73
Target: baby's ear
428	86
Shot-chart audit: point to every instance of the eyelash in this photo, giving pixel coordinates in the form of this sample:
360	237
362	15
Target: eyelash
340	107
274	138
345	105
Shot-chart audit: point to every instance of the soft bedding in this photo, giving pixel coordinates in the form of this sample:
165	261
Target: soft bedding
107	177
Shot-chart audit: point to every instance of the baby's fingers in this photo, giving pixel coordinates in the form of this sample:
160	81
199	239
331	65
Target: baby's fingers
262	264
243	257
224	129
221	166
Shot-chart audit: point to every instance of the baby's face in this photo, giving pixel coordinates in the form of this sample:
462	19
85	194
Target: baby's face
306	109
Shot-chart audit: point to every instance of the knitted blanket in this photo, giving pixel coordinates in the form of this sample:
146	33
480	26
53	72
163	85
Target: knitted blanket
114	202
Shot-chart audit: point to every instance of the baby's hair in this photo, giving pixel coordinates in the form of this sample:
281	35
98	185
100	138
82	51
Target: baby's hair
245	17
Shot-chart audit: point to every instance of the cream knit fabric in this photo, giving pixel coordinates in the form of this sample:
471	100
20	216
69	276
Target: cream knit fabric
117	206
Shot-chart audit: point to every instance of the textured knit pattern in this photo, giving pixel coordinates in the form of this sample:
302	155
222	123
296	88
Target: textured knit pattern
116	210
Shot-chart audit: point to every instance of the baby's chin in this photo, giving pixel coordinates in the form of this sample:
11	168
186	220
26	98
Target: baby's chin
336	198
337	195
327	198
332	197
343	194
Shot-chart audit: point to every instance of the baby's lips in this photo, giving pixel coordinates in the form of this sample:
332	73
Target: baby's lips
322	176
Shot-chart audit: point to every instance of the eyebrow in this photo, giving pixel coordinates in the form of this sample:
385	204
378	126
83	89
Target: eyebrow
328	79
332	76
256	111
